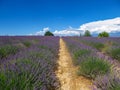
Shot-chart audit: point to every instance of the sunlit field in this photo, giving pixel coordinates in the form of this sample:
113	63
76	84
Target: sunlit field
31	62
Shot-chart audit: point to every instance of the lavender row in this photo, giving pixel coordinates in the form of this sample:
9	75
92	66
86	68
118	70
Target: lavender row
84	50
109	46
31	68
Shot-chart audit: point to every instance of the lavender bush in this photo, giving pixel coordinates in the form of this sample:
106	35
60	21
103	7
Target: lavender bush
107	82
92	67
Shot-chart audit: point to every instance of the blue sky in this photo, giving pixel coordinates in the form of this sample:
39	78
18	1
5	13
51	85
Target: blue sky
22	17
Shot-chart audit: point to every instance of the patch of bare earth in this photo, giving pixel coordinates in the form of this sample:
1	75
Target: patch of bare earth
66	72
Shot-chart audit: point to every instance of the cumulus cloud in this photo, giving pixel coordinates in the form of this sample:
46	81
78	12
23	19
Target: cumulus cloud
41	32
110	25
46	29
67	32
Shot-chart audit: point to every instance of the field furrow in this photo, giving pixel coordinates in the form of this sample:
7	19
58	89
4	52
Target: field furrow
66	72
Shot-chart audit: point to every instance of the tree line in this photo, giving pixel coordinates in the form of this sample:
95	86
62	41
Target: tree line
102	34
86	34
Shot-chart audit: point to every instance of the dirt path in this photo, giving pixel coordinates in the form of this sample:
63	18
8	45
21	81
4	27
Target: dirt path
66	72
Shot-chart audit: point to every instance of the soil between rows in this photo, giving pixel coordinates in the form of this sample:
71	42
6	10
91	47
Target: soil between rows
66	72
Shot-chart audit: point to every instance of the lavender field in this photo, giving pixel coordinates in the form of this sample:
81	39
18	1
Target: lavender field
28	63
31	62
98	59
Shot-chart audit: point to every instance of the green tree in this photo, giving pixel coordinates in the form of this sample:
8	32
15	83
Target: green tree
103	34
48	33
87	34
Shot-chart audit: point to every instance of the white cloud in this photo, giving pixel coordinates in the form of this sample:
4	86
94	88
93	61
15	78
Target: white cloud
42	32
67	32
46	29
110	25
